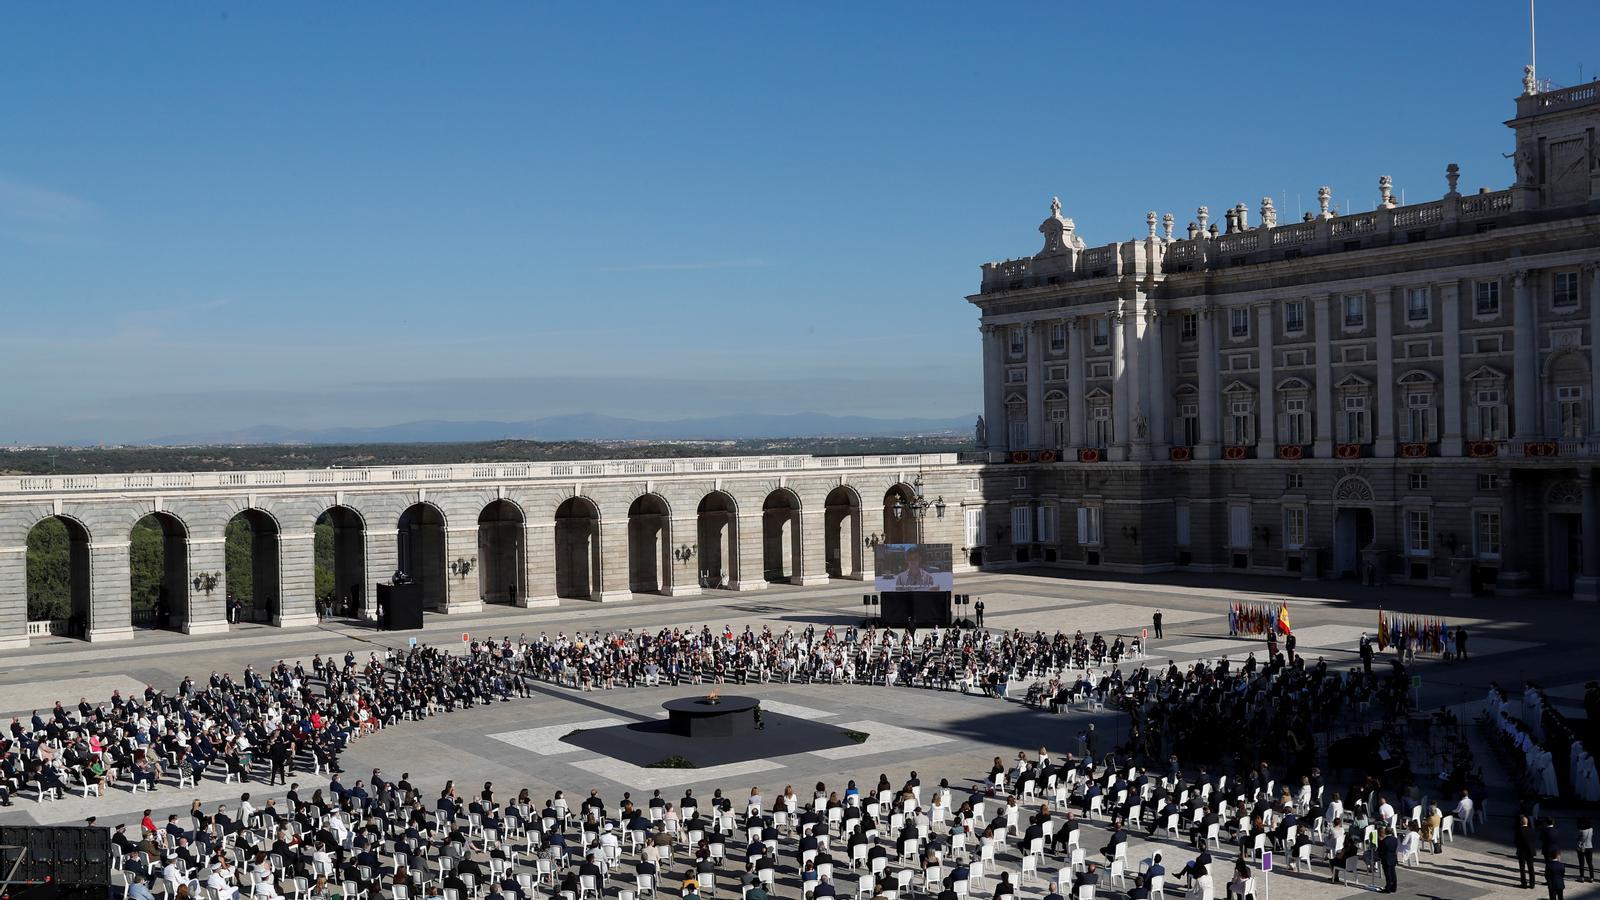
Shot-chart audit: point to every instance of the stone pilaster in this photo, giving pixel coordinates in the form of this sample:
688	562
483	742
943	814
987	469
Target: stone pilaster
751	572
1450	311
681	579
1324	426
111	603
207	613
1267	431
463	593
1120	400
1206	332
1138	434
994	387
811	559
1036	423
13	597
1076	408
1384	312
297	580
614	553
1525	361
539	561
382	546
1156	380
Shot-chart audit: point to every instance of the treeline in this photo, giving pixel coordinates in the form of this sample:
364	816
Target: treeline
98	460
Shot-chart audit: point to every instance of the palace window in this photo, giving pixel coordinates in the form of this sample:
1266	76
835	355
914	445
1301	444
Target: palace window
1019	340
1486	532
1101	333
1294	481
1417	311
1488	481
1021	524
1296	421
1294	527
1181	523
1089	525
975	527
1486	298
1241	420
1188	425
1294	317
1058	336
1355	310
1419	417
1100	425
1188	327
1417	481
1058	426
1239	321
1045	533
1570	410
1353	427
1018	434
1564	290
1489	419
1419	532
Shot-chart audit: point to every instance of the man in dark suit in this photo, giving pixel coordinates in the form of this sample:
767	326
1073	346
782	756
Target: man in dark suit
1522	838
1388	857
1054	892
824	888
1555	876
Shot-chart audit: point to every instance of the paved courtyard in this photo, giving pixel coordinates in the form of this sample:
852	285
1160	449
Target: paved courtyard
939	734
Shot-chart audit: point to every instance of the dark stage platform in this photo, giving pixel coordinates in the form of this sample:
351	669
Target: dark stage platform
648	743
712	717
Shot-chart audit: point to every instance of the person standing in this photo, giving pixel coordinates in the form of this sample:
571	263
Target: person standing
978	608
1388	857
1461	643
1522	839
1555	876
1585	849
1155	621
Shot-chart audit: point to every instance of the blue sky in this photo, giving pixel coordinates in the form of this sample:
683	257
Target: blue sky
222	215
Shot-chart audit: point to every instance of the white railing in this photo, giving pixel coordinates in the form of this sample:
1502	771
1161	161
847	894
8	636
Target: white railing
1291	235
1420	214
1477	206
1239	242
42	484
47	627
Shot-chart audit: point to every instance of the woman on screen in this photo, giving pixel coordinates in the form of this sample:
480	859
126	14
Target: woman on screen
915	577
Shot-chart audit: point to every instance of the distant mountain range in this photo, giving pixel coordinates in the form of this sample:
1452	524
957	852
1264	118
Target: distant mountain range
586	426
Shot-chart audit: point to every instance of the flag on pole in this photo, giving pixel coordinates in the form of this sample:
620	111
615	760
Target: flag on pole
1383	632
1283	617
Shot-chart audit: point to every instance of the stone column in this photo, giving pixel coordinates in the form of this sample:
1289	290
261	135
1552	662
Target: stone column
1588	583
1594	349
1118	448
1267	431
14	596
1207	334
297	579
1138	434
1035	385
208	613
994	387
683	578
462	594
1076	408
1323	426
811	563
1450	306
1525	363
111	601
1384	445
539	558
1156	380
614	554
752	552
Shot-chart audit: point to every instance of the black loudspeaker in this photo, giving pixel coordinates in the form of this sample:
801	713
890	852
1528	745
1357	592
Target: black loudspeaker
72	856
402	606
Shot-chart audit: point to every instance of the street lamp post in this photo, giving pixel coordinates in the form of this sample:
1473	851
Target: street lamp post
917	507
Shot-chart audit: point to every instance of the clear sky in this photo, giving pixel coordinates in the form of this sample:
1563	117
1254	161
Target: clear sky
216	215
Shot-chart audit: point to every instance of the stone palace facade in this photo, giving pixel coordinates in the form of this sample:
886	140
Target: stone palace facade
1404	394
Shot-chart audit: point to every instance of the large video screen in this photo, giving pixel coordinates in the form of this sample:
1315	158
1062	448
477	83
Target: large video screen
913	567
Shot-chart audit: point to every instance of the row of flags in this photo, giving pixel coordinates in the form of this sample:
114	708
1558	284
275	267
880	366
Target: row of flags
1423	633
1258	618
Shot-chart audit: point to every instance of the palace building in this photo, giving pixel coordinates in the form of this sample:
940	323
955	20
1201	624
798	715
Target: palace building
1406	394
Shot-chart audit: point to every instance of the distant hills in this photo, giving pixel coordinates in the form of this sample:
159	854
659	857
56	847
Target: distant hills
586	427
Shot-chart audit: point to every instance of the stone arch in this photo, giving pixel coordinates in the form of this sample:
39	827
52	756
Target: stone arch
842	532
780	535
1352	489
717	539
58	574
158	572
339	555
502	557
899	523
252	564
422	552
577	538
649	544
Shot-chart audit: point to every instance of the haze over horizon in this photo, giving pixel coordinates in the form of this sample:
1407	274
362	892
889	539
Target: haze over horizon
303	216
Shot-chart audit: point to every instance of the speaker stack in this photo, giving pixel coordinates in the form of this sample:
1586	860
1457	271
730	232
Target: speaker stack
55	862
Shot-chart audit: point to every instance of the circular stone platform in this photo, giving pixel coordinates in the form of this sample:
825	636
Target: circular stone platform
698	717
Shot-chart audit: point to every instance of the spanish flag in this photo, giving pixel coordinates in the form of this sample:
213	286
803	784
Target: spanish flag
1383	631
1283	618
